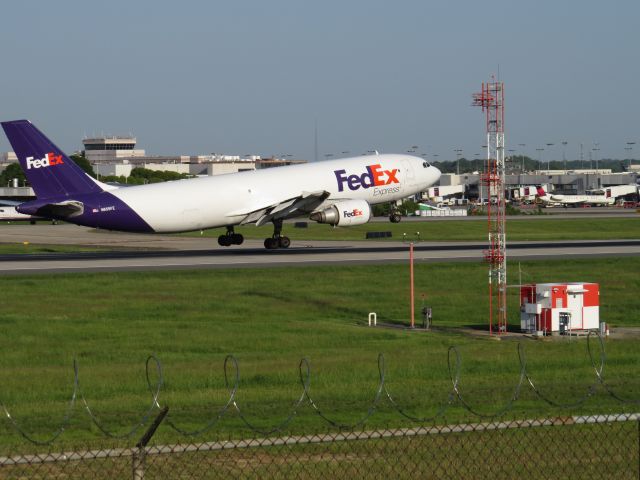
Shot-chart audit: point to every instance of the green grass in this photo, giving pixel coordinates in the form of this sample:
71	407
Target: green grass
271	318
518	229
30	248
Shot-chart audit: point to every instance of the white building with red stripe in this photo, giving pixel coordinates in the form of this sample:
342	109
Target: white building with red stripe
559	307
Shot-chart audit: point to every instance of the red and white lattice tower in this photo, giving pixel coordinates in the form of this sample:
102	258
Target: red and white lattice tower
491	99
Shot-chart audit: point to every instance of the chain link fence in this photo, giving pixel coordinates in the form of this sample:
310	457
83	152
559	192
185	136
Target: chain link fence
606	446
498	444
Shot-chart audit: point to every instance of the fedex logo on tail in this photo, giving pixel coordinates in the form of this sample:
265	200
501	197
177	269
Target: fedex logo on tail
49	160
373	177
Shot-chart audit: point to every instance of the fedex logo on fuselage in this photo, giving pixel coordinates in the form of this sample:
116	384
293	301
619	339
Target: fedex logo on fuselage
373	177
49	160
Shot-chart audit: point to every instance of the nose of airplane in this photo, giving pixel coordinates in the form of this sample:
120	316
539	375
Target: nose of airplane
436	174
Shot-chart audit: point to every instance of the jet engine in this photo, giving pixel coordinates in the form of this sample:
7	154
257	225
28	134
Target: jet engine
344	213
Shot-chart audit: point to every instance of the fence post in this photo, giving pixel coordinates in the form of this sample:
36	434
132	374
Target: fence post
138	464
138	459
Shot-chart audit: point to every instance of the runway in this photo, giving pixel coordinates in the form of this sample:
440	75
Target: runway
196	253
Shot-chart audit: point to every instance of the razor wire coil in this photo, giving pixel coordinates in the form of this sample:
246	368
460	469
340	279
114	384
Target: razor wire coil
231	374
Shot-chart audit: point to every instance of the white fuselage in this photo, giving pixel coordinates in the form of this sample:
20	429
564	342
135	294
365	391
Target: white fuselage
553	199
210	202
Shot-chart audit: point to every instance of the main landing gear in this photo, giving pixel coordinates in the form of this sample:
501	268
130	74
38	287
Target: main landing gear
230	238
394	213
277	240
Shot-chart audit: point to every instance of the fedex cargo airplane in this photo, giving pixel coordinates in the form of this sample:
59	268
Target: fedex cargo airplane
337	192
574	200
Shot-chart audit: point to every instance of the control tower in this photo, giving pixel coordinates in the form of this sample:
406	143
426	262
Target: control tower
109	149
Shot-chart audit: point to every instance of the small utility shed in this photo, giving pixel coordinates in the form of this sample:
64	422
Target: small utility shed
559	307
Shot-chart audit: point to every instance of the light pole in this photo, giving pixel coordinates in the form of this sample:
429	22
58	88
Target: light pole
522	145
564	154
540	150
458	154
596	149
549	159
630	148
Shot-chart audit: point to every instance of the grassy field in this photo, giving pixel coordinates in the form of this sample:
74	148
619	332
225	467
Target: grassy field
518	229
30	248
270	319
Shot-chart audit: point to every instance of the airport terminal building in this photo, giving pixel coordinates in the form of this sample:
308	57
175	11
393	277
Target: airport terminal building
570	182
117	156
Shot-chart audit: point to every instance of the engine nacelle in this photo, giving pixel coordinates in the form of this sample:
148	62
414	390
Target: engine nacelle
344	213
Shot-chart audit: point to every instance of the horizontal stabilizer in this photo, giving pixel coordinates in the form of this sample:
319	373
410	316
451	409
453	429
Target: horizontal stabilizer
65	209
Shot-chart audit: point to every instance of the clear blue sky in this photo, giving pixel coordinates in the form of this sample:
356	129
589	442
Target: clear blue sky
253	76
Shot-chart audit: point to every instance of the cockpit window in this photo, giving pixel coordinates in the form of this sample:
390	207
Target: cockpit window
425	164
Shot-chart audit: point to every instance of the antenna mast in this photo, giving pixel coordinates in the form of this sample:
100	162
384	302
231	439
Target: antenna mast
491	99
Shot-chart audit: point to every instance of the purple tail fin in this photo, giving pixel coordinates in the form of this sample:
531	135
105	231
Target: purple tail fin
49	171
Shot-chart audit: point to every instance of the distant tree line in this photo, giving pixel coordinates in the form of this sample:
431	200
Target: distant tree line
83	163
138	175
12	171
514	164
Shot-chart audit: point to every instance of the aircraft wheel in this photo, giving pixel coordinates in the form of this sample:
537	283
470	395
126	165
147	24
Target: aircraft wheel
224	241
284	242
237	239
395	218
270	243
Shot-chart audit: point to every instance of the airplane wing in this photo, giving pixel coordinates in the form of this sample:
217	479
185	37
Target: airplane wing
260	214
